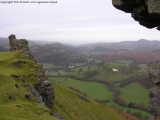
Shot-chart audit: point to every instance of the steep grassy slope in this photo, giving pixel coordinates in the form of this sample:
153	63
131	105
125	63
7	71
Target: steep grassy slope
13	102
74	106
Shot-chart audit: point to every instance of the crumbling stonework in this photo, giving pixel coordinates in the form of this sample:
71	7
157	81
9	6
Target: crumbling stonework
154	95
146	12
15	44
44	87
43	90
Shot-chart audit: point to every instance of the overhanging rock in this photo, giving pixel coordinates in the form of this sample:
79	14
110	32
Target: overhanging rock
146	12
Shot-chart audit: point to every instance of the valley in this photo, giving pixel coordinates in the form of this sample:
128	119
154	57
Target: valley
117	78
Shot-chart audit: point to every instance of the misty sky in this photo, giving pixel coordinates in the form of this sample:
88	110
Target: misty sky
71	21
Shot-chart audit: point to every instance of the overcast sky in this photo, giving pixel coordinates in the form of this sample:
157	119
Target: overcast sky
71	21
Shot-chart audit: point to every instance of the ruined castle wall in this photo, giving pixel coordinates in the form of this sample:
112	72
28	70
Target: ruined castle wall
43	90
15	44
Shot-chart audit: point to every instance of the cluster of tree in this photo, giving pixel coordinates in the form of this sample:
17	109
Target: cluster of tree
145	80
116	95
127	81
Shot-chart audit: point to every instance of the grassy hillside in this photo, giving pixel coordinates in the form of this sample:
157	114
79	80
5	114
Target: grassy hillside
13	103
16	71
74	106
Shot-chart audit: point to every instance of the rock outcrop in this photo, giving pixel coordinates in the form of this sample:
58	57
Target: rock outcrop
146	12
154	95
44	87
43	90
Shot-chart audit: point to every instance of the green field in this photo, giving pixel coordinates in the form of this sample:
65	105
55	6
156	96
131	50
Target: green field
93	90
99	91
135	93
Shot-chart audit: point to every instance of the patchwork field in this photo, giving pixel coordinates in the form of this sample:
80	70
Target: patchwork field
98	91
102	72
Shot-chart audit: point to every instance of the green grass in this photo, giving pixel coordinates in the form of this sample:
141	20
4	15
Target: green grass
7	55
91	89
135	93
67	103
13	104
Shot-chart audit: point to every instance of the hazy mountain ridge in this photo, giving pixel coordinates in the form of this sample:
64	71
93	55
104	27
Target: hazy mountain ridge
140	45
139	51
56	54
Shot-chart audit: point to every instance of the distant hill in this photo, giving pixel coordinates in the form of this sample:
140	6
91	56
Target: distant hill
56	54
60	54
140	45
139	57
4	44
2	49
4	41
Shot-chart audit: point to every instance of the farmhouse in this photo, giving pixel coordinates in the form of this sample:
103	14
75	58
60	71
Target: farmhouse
115	70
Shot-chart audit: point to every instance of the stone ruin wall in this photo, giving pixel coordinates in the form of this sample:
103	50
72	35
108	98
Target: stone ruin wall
147	13
43	90
15	44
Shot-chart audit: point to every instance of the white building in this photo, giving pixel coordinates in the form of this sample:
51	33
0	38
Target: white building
71	67
115	70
